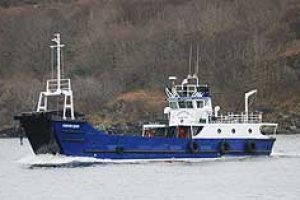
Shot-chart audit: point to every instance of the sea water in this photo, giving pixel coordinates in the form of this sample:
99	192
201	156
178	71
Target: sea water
24	175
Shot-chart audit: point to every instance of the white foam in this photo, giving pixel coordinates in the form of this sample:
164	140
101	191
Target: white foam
62	160
48	159
285	154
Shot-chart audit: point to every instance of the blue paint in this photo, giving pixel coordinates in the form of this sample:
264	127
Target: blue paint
85	140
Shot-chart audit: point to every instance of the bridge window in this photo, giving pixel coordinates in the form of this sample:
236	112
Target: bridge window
200	104
185	104
182	104
173	105
189	104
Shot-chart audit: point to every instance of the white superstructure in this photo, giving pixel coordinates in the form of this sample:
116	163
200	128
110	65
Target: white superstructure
190	114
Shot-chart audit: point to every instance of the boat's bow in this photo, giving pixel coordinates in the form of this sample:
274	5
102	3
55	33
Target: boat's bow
38	128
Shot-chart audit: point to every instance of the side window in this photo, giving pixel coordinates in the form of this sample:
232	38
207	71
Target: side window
173	105
197	130
200	104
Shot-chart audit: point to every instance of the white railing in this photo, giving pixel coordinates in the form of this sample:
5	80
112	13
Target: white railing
238	118
52	85
187	90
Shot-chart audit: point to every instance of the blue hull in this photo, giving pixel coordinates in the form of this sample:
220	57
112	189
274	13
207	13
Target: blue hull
81	139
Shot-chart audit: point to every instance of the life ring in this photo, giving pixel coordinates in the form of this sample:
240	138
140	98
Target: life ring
251	146
224	147
119	150
194	147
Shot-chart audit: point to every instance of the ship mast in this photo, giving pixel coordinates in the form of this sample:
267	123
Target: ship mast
190	62
58	86
58	46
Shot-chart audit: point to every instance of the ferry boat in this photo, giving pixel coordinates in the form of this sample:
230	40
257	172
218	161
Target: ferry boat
193	129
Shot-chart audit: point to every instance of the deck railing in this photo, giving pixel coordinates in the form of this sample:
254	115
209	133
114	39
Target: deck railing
52	85
238	118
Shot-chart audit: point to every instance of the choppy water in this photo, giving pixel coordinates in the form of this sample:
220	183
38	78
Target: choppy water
275	177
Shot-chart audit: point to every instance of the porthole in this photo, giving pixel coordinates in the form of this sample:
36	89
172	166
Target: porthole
250	130
219	131
233	131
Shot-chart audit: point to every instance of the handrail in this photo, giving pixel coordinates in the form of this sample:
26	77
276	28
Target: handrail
238	118
52	85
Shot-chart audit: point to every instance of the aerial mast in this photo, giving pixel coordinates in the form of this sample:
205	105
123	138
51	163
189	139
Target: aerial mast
195	75
190	61
58	47
197	64
57	86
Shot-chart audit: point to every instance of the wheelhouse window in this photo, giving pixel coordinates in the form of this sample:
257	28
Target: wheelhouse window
191	90
189	104
200	104
182	104
173	105
185	104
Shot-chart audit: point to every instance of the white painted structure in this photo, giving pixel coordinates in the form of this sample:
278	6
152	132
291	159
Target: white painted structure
57	86
190	107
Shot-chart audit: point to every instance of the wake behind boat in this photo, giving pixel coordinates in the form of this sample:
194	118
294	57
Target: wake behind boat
194	129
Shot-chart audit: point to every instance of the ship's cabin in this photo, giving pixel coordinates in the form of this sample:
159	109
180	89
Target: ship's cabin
189	94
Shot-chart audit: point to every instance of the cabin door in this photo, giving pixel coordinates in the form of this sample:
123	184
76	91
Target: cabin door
183	131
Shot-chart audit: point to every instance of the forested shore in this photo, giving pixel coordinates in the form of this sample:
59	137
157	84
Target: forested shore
119	54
